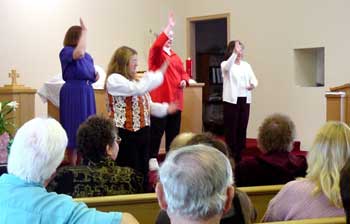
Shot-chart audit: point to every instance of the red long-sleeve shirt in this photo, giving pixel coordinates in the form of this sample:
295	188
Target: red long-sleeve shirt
170	90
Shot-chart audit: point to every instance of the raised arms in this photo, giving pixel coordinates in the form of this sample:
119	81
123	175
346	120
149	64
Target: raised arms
80	49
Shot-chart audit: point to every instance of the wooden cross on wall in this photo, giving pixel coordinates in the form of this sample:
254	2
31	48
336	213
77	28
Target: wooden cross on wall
13	75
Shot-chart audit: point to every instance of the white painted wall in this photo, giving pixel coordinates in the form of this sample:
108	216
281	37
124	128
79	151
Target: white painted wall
270	29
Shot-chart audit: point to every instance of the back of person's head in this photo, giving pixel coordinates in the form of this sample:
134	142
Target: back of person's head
181	140
206	138
209	139
345	189
94	136
196	182
37	150
327	156
72	36
276	133
119	62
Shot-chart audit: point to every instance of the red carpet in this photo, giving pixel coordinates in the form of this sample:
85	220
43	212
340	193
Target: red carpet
252	149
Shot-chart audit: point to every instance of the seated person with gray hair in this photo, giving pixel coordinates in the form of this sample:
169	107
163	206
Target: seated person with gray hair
345	189
276	164
195	185
37	150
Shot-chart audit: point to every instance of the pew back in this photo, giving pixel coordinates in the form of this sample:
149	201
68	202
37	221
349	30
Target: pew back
145	206
261	196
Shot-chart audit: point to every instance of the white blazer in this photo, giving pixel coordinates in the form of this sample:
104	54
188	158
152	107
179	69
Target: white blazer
231	81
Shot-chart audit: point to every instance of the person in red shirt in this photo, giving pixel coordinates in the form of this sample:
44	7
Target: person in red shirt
175	79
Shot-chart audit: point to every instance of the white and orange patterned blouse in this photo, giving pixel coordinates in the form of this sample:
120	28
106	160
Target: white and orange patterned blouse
129	102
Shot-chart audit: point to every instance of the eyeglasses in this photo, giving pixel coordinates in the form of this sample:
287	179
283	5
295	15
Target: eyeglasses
118	139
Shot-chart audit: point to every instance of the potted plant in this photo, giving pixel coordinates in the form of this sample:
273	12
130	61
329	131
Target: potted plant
6	123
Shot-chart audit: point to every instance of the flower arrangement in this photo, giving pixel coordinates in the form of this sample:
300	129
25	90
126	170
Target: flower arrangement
6	123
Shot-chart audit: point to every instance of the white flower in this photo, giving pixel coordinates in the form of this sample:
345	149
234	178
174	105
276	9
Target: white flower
13	104
0	106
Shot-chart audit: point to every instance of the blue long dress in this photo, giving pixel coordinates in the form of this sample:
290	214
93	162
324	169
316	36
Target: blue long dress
77	99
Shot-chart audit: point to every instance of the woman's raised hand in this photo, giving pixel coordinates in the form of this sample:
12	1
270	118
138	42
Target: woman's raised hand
82	25
171	24
238	47
171	20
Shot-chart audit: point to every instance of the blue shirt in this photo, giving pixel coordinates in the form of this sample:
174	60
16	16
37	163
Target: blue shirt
80	69
23	202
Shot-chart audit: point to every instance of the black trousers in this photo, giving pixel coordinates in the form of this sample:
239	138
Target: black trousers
134	150
170	125
236	118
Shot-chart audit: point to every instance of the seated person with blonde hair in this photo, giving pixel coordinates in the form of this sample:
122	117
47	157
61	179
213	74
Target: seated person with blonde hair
37	150
276	164
97	141
318	194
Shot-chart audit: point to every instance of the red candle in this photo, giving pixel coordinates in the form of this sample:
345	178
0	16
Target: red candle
189	67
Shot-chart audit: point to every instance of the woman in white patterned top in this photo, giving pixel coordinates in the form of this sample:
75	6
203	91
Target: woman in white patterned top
130	105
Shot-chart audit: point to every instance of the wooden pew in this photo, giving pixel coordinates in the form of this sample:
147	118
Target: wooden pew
145	206
328	220
261	196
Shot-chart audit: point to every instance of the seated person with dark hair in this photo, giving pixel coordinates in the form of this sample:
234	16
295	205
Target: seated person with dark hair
97	141
276	164
345	189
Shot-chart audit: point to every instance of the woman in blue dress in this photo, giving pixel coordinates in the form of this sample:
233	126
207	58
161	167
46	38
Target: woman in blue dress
77	99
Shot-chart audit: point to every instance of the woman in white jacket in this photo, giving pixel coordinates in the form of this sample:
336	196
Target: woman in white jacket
130	106
238	82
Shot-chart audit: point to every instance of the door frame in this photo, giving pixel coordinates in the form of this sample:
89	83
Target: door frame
191	34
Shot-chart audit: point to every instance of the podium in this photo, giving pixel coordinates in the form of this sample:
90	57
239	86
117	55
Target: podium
25	97
191	117
338	103
100	99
